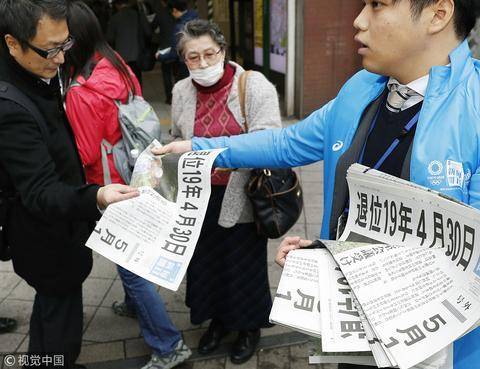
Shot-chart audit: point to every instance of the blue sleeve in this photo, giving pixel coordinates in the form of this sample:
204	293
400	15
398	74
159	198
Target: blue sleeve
466	350
296	145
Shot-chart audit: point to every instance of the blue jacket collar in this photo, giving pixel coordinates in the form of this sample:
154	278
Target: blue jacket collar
442	78
445	78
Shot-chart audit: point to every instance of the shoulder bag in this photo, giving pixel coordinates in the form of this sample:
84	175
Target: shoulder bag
275	193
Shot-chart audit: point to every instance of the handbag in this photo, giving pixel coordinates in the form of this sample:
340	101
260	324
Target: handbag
275	193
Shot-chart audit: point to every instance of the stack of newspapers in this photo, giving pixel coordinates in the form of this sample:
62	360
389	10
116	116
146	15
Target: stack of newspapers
400	285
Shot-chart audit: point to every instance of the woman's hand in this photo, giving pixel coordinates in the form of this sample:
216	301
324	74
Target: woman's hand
288	244
175	147
112	193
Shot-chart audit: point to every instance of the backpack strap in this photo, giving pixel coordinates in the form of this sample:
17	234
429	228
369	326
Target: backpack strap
80	79
74	83
12	93
106	148
242	92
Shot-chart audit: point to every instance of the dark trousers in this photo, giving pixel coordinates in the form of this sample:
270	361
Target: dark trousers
56	326
136	70
167	75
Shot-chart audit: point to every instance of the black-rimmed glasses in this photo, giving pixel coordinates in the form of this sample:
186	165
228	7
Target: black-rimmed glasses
53	52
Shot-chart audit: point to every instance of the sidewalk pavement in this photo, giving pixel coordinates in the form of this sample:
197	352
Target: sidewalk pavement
110	341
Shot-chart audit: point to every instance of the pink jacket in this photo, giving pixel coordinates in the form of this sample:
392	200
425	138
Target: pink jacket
93	116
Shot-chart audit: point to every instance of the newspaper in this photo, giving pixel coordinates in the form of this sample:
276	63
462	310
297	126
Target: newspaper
409	256
420	289
336	319
154	235
342	328
296	302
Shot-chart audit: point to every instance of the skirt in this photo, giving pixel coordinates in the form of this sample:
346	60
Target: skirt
227	279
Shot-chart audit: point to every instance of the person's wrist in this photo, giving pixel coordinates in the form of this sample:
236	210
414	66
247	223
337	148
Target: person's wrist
100	199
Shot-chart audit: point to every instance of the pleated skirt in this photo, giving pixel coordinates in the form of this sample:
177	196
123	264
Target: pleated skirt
227	278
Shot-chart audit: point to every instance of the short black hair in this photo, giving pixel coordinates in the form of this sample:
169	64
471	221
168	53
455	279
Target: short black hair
180	5
465	16
19	18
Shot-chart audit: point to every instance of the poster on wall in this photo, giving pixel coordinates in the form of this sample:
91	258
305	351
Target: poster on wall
278	35
258	31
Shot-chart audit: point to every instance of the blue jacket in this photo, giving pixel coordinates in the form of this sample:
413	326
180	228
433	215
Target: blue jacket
447	136
179	23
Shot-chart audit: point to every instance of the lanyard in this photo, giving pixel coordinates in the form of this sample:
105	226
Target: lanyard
411	123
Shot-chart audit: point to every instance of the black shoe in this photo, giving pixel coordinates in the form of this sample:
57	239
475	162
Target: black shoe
122	309
244	346
210	340
7	325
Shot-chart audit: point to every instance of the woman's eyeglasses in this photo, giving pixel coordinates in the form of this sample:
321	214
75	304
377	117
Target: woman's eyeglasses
53	52
210	57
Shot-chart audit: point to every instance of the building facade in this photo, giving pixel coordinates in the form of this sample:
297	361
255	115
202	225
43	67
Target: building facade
305	47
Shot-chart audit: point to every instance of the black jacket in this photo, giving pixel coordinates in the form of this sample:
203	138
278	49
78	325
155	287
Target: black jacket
164	21
52	215
127	31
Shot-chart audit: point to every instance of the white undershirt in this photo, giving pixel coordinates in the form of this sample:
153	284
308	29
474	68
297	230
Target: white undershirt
419	86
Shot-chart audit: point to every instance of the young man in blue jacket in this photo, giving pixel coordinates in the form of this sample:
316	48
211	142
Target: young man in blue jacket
418	70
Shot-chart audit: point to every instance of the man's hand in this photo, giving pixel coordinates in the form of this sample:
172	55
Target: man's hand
175	147
288	244
111	193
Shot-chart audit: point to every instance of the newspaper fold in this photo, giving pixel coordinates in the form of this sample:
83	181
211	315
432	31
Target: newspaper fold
154	235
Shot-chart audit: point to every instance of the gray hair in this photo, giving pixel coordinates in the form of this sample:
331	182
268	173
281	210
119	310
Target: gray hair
197	28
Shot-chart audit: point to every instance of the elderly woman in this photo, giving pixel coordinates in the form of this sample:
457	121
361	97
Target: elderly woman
227	279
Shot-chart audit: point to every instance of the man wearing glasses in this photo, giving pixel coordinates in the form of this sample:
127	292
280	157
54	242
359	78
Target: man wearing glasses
51	209
52	53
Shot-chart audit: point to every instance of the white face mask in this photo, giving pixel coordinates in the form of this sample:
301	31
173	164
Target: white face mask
208	76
